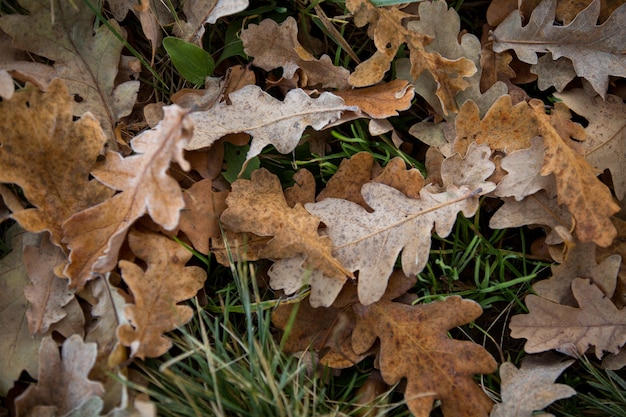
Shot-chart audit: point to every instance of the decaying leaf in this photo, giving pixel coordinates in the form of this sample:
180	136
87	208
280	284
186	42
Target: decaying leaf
269	121
87	61
531	388
201	12
294	229
63	385
380	101
288	53
589	201
96	234
595	322
414	344
157	291
49	156
595	50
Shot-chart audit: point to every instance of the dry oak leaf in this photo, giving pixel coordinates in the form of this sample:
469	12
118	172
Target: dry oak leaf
85	58
549	325
96	234
63	384
201	12
49	156
288	53
157	291
596	51
580	261
303	189
389	34
380	101
505	127
414	344
258	206
531	388
605	147
47	294
371	242
268	120
589	200
347	181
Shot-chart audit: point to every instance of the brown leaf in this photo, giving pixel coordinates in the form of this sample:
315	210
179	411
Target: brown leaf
414	344
96	234
589	201
595	50
258	205
409	182
85	58
548	325
63	384
380	101
47	294
199	220
531	388
157	292
346	183
288	53
303	191
201	12
49	156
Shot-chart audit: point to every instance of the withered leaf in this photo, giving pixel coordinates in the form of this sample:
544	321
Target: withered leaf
96	234
49	156
531	388
595	50
595	322
589	201
157	291
288	53
414	344
380	101
258	205
268	120
85	58
63	384
201	12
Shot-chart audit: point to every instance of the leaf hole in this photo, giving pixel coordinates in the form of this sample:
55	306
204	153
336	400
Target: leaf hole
78	98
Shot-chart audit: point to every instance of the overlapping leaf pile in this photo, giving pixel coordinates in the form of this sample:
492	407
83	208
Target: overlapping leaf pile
94	263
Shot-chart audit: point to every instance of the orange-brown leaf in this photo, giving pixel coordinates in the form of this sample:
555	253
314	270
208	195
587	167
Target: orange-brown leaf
96	234
380	101
414	344
157	292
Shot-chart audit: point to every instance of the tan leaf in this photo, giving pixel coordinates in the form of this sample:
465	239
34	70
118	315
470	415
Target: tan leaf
389	34
200	12
303	191
96	234
395	175
380	101
580	262
199	220
288	53
269	121
157	292
238	247
49	156
47	294
414	344
531	388
589	201
548	325
471	170
346	183
258	205
504	128
85	58
63	383
595	50
605	147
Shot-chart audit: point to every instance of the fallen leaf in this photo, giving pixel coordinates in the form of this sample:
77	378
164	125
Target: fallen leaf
347	181
303	190
63	384
414	344
47	294
96	234
85	58
395	175
596	51
589	201
557	73
201	12
49	156
288	53
269	121
294	229
595	322
605	147
157	292
531	388
380	101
